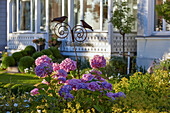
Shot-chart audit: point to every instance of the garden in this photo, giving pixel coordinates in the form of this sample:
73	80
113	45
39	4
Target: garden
49	82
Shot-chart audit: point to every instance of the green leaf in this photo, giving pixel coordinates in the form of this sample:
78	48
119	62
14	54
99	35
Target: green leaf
97	107
48	79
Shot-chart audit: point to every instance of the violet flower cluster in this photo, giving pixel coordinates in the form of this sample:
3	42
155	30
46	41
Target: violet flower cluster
98	62
43	59
43	70
115	95
68	65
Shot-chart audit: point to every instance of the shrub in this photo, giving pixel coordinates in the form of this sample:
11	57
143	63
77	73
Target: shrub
17	56
56	52
24	53
25	62
37	54
30	50
47	52
145	91
8	61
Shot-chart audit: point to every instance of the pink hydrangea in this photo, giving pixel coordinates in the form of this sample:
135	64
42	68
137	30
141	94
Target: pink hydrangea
93	86
87	77
43	59
68	65
34	91
56	66
43	70
61	73
98	62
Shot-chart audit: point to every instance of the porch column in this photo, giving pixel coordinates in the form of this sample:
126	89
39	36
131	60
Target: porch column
9	22
47	22
70	16
110	26
37	16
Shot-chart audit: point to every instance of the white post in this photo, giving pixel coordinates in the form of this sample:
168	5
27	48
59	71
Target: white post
47	22
101	15
110	26
82	9
8	22
37	16
119	53
128	64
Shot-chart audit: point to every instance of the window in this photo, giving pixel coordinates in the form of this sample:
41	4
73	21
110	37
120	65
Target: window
159	23
43	15
24	14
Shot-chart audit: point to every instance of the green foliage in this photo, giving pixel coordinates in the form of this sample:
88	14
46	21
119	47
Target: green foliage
30	50
56	52
122	19
47	52
8	61
17	56
25	62
164	10
4	54
146	92
37	54
24	53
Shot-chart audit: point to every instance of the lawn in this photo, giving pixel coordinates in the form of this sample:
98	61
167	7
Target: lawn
19	78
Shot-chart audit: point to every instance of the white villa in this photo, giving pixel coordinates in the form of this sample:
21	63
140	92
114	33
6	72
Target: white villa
21	21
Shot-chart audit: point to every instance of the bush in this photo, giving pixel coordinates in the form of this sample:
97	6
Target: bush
25	62
56	52
146	91
30	50
37	54
8	61
17	56
47	52
24	53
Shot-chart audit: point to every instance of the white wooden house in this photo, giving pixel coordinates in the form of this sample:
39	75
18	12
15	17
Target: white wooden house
30	19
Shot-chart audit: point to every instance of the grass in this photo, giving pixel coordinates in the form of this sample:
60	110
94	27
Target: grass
19	78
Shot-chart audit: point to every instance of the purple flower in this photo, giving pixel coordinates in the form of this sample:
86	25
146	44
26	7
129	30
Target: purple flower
68	96
56	66
119	94
68	65
34	91
87	77
74	83
64	89
93	86
61	73
61	80
110	95
96	72
43	70
106	85
98	62
43	59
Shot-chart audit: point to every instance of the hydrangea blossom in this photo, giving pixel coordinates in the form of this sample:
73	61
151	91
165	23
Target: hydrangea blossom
61	73
43	59
64	89
68	65
93	86
56	67
106	85
43	70
76	84
110	95
34	91
68	96
96	72
98	62
119	94
87	77
61	80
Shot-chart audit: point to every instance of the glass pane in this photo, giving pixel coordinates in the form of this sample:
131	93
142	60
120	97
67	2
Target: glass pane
77	17
43	15
158	22
14	19
24	15
92	13
105	13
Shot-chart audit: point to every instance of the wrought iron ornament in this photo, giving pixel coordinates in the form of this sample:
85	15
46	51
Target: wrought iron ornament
78	32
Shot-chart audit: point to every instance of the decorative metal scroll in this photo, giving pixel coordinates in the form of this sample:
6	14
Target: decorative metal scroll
78	32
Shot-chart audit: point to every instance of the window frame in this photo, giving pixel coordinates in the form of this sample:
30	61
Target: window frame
163	32
31	20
